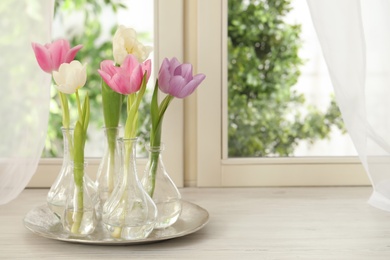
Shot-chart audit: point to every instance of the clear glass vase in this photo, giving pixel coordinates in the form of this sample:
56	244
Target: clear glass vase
161	188
106	178
129	213
79	216
57	194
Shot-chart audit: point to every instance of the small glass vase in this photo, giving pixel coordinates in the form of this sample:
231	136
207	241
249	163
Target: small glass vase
106	178
56	196
129	213
161	188
79	216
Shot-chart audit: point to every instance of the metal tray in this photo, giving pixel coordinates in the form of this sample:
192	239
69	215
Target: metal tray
43	222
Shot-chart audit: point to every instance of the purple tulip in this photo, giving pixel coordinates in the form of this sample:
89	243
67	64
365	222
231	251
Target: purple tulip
127	78
51	55
176	79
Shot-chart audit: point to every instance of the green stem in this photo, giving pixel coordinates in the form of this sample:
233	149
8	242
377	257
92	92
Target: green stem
69	142
111	140
154	157
127	152
65	110
79	210
157	115
78	168
112	105
78	104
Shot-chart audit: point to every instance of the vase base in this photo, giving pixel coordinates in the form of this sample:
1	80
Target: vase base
167	213
130	232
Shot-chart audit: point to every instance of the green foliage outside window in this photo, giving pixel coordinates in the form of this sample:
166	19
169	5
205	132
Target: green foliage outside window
265	113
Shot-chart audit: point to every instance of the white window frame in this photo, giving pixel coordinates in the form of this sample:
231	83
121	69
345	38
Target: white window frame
169	39
211	164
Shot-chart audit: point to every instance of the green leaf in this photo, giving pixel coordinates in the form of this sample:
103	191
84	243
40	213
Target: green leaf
86	113
154	113
141	91
112	105
78	143
65	110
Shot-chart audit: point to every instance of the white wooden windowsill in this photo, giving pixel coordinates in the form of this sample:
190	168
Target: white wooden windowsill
245	223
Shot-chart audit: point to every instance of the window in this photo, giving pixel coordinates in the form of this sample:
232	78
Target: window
195	31
213	166
168	22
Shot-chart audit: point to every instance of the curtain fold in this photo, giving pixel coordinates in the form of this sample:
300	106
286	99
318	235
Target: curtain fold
25	92
355	41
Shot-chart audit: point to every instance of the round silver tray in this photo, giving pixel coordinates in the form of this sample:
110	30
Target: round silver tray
43	222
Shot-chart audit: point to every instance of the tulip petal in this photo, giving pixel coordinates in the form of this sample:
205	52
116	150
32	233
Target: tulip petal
191	86
130	63
176	85
70	77
58	79
147	67
173	64
71	54
164	78
120	83
58	50
105	76
43	57
136	79
185	70
109	67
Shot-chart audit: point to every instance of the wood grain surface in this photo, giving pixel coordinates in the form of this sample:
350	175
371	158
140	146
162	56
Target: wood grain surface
245	223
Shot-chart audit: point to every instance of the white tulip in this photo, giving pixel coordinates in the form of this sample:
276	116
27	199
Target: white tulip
125	42
70	77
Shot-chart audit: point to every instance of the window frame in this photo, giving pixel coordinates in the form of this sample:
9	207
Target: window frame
169	22
213	168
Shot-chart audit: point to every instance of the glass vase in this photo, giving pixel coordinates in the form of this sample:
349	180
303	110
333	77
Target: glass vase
57	194
79	216
106	176
129	213
161	188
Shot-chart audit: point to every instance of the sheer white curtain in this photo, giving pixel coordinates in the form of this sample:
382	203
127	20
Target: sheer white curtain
25	92
355	40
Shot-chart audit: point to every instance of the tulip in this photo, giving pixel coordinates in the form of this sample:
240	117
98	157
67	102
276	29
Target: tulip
176	79
70	77
51	55
127	78
125	42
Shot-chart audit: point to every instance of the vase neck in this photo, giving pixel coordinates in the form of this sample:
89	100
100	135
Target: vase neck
112	131
155	149
67	134
127	148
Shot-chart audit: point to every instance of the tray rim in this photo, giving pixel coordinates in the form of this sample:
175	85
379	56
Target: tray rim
148	240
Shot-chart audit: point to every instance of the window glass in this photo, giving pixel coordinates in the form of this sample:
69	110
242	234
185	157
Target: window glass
280	98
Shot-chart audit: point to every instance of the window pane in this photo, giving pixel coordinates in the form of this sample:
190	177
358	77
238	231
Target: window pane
280	98
93	24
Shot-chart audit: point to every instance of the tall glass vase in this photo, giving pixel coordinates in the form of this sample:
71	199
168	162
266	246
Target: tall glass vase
129	213
161	188
79	216
57	194
106	176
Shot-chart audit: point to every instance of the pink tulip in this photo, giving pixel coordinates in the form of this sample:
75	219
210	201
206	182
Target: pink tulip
176	79
51	55
127	78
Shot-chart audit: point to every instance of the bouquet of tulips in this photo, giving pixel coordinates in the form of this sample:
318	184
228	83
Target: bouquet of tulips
69	75
125	77
128	75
